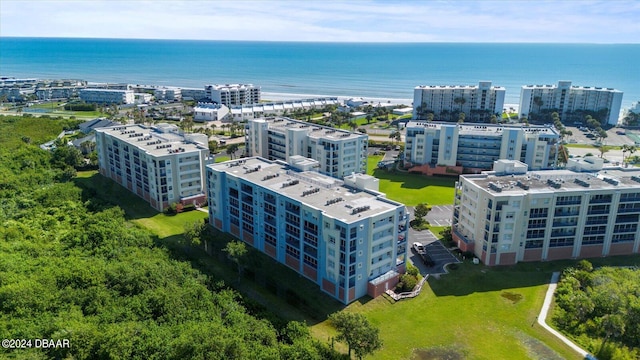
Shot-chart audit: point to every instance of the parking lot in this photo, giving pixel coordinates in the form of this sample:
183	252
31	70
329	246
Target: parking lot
438	253
440	215
615	136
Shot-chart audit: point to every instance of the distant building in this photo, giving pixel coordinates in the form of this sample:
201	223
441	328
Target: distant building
233	94
194	94
478	102
511	214
279	108
567	99
111	86
88	126
159	164
168	94
344	236
142	98
209	112
478	146
339	152
107	96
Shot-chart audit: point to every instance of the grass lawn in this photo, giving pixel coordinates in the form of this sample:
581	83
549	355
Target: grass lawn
412	189
222	158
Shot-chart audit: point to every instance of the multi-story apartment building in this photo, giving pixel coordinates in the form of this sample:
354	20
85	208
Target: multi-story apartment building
194	94
107	96
233	94
168	93
477	146
279	108
159	164
478	102
565	98
512	215
348	239
339	152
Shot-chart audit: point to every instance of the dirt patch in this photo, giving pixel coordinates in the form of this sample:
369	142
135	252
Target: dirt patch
438	353
513	297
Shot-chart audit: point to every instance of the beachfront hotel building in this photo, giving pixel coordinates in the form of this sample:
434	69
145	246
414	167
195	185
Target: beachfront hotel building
343	235
512	214
159	163
477	102
233	94
339	152
107	96
565	99
477	146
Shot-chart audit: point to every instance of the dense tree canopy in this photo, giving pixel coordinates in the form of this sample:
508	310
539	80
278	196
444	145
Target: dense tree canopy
72	267
601	304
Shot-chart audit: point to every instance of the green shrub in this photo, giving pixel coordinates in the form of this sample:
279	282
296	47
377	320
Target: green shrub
412	270
407	283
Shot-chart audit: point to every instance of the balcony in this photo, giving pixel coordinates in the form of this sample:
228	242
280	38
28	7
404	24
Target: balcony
630	199
568	202
566	213
628	210
563	223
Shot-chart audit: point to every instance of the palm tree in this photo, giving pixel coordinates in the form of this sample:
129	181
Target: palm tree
430	117
460	101
538	101
395	135
628	149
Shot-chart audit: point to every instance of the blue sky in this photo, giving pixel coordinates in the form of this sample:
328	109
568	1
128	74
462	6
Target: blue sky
581	21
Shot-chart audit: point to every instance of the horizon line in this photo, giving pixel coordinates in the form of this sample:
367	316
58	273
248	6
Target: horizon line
320	41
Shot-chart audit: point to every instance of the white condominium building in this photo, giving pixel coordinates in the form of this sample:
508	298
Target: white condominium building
477	146
107	96
233	94
209	112
477	102
344	236
567	99
159	164
512	215
279	108
339	152
168	93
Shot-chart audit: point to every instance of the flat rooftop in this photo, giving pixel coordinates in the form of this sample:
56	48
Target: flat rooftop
156	141
314	131
318	191
557	181
484	129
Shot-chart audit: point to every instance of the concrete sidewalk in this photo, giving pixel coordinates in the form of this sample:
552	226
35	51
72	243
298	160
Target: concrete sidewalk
545	310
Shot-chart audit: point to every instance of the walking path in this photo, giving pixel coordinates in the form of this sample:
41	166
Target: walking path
545	310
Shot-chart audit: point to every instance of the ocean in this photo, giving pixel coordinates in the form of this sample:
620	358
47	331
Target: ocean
370	70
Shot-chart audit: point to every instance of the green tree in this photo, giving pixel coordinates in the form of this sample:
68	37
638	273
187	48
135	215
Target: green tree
420	211
460	101
236	252
627	149
537	100
231	149
213	146
396	136
355	330
193	233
